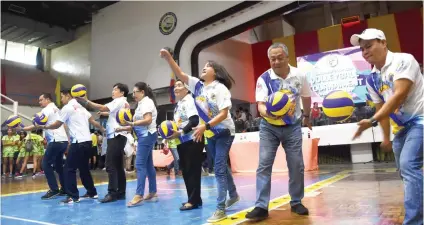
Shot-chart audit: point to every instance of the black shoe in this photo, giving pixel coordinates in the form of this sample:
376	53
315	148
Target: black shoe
121	196
62	192
108	198
50	194
89	196
70	200
200	204
300	209
185	208
257	214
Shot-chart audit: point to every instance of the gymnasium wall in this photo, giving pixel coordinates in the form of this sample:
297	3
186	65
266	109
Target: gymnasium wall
126	41
236	57
127	34
72	61
403	30
24	83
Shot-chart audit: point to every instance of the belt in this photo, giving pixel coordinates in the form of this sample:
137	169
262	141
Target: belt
54	141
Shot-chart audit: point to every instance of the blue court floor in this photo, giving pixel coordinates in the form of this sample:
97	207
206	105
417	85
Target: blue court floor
30	209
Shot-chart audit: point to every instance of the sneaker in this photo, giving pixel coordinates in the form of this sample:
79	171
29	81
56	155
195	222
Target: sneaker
89	196
230	202
69	200
62	192
300	209
50	194
10	175
217	216
257	214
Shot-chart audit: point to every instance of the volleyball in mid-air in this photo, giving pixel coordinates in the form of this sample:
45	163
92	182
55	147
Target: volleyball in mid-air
78	90
338	105
123	115
278	104
39	119
167	128
13	121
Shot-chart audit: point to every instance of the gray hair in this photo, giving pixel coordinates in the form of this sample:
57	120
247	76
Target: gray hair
279	45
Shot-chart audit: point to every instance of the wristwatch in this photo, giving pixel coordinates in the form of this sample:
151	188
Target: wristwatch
208	126
374	122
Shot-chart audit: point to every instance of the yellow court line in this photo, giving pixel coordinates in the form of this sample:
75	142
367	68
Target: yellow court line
45	190
240	216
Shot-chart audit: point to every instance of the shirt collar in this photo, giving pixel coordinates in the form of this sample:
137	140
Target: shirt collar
212	85
389	60
275	76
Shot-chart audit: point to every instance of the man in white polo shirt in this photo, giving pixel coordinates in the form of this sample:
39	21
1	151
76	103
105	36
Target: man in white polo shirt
58	142
396	86
77	119
116	142
285	130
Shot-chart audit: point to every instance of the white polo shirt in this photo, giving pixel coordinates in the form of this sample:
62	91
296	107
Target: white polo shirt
52	113
146	105
184	110
76	118
399	66
295	86
111	124
212	99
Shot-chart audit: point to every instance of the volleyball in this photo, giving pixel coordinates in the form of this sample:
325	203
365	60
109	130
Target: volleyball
78	90
338	105
123	115
39	119
13	121
278	104
166	128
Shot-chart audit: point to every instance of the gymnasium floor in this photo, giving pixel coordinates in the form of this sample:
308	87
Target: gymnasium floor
351	194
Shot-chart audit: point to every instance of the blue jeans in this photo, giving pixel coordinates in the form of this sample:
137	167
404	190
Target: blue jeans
176	163
53	161
408	150
219	147
144	163
270	138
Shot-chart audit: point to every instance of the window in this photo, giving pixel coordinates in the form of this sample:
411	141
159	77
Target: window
18	52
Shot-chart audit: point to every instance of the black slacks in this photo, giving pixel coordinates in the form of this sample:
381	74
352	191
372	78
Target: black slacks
191	165
115	166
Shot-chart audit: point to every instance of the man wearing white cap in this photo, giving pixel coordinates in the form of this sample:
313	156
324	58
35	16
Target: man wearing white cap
396	86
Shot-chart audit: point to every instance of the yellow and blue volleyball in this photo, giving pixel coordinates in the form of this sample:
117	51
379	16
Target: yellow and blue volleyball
39	119
278	104
123	115
338	105
167	128
13	121
78	90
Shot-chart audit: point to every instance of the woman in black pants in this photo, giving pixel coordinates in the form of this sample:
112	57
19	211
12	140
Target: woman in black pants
190	152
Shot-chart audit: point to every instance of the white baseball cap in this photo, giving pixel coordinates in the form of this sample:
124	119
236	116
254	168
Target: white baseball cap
367	34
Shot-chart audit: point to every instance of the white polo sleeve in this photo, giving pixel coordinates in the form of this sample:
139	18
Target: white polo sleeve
192	81
223	97
114	105
147	107
261	90
65	113
305	89
407	68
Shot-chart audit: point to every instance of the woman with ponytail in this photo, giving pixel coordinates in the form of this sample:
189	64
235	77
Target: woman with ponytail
144	126
213	104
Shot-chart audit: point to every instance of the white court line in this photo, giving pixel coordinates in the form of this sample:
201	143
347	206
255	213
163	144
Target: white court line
27	220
